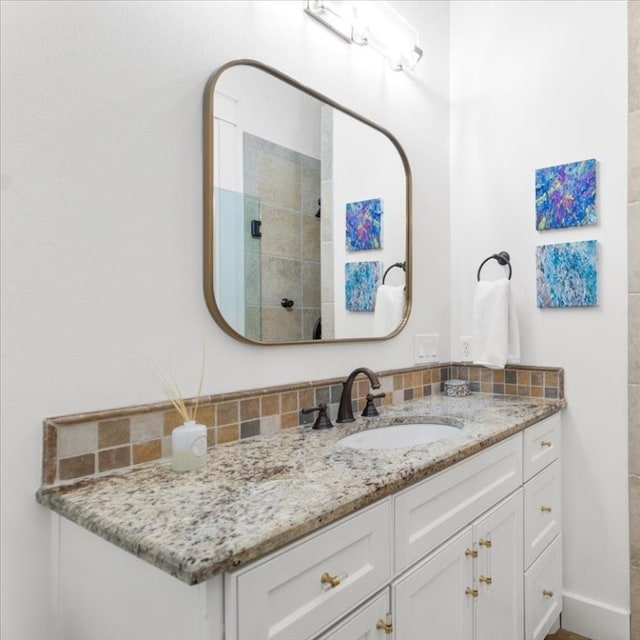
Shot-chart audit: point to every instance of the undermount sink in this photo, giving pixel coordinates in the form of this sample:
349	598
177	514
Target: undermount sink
398	436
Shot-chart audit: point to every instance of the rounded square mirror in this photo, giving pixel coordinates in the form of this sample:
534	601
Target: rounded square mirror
307	214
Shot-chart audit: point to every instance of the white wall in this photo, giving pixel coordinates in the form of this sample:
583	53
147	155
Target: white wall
296	123
101	220
535	84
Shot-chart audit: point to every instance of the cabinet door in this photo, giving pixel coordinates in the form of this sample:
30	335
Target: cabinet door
364	624
435	600
499	567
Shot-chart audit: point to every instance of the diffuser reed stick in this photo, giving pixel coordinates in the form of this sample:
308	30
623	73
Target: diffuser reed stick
171	389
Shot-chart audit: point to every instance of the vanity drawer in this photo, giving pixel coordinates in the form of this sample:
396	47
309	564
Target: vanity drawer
543	592
541	445
287	595
542	511
366	622
429	513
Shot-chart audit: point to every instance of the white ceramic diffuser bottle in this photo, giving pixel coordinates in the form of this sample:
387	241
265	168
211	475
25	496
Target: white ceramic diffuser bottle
189	440
188	446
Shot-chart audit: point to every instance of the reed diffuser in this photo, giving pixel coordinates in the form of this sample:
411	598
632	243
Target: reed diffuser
189	440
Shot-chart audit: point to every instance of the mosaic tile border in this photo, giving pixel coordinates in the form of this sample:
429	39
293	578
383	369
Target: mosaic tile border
83	445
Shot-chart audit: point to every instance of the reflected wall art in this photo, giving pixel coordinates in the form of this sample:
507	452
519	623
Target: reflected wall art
361	281
566	195
567	274
364	225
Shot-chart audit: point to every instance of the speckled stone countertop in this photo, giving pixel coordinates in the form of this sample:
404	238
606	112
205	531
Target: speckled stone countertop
258	494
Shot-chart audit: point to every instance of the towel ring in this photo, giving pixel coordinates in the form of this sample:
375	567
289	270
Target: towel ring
402	265
503	258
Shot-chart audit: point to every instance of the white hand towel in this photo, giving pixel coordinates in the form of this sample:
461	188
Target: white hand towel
496	338
389	309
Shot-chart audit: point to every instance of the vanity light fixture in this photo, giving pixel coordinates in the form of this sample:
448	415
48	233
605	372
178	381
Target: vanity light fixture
374	24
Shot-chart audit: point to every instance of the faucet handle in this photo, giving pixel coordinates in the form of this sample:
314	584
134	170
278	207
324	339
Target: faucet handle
322	421
370	409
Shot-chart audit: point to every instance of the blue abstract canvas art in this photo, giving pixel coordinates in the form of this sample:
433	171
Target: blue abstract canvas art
364	225
567	274
361	281
566	195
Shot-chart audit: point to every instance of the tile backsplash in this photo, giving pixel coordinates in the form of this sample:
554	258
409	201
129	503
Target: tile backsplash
83	445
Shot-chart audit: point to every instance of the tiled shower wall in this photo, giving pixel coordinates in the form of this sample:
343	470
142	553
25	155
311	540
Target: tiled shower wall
287	256
634	308
82	445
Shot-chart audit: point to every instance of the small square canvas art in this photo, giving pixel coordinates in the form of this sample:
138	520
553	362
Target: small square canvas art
364	225
361	281
567	274
566	195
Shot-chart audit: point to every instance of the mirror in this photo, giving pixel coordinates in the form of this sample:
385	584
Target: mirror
307	212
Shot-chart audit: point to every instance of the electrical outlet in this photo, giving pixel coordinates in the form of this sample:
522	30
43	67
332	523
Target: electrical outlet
466	348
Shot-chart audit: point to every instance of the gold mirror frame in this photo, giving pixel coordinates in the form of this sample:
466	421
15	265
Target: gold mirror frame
209	205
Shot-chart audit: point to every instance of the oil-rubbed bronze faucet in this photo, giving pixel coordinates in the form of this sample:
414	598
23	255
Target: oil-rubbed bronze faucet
345	410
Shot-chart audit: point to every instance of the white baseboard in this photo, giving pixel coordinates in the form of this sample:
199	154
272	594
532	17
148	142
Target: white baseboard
594	619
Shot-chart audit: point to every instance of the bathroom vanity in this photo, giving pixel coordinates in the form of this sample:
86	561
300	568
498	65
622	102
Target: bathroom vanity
294	536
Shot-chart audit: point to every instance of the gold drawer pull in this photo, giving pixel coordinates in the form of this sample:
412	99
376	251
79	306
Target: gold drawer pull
547	594
485	543
471	553
545	509
485	580
471	592
384	626
545	443
334	581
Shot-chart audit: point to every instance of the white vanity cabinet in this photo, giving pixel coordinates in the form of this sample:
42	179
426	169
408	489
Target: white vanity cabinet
473	552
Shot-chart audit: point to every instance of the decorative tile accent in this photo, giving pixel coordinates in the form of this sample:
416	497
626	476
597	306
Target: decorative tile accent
113	432
147	426
82	445
110	459
77	466
78	439
146	451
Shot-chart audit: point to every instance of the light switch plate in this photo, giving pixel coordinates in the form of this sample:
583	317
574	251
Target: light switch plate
426	347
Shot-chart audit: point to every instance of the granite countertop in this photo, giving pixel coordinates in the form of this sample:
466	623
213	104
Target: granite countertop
258	494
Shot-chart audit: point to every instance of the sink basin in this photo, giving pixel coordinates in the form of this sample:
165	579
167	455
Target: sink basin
398	436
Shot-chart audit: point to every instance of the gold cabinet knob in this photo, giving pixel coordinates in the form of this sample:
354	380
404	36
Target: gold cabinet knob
545	443
545	509
387	627
485	580
547	594
485	543
471	592
333	581
471	553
